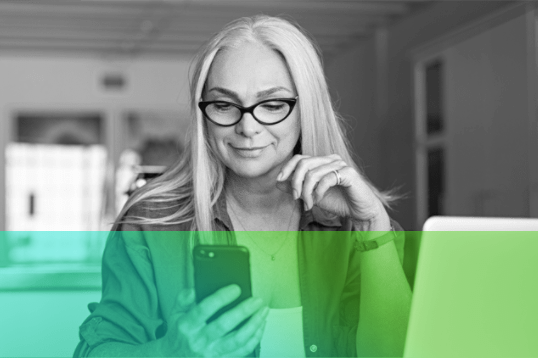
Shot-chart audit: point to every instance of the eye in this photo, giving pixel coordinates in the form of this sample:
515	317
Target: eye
275	106
222	106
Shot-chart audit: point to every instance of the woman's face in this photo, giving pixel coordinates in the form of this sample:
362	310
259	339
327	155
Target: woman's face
245	76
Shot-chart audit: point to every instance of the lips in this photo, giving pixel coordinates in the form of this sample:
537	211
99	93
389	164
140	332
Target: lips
248	152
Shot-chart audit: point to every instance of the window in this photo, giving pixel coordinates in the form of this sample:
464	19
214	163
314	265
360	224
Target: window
67	173
434	98
436	178
55	179
430	135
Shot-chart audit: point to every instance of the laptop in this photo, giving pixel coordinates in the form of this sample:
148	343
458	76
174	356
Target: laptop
476	289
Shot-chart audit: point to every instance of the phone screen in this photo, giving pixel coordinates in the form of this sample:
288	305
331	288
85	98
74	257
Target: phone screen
217	266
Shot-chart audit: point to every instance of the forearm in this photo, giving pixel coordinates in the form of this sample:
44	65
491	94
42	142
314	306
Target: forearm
384	305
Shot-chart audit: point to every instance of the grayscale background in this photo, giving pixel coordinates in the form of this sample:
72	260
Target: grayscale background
440	99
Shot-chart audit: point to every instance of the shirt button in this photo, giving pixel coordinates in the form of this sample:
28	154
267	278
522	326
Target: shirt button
313	348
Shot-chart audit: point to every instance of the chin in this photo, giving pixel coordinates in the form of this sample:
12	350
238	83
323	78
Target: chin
250	171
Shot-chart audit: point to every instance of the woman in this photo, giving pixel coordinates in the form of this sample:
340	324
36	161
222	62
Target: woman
267	154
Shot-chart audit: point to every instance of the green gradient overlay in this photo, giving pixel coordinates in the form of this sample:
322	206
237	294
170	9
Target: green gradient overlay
475	293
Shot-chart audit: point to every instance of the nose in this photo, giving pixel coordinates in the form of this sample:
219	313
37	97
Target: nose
248	126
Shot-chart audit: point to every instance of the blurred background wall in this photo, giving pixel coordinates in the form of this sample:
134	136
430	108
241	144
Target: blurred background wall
439	97
42	319
374	81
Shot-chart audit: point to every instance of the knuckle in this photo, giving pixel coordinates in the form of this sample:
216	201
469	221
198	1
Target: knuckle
197	311
252	342
349	171
245	310
220	327
258	335
226	322
302	165
183	327
236	341
326	179
323	185
315	174
296	183
197	344
226	345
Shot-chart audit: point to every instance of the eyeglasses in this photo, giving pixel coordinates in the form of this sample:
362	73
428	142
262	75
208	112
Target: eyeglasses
268	112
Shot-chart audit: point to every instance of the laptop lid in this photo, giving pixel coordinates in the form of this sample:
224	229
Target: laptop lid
476	289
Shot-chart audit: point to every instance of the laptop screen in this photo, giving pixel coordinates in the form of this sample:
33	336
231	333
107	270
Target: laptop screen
476	289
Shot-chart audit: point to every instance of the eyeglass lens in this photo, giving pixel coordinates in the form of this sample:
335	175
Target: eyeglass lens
268	112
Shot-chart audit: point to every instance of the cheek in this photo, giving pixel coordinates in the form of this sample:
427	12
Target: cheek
216	134
289	136
214	139
295	130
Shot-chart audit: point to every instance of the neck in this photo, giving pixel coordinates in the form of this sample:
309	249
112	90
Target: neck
256	195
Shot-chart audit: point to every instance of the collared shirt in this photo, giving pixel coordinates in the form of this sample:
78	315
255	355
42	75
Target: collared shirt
145	267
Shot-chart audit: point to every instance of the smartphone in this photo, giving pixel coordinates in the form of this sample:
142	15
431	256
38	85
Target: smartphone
217	266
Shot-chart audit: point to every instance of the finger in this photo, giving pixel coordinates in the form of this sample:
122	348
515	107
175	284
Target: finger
230	319
180	329
251	344
211	304
244	334
289	167
330	180
301	170
185	299
314	176
245	344
194	323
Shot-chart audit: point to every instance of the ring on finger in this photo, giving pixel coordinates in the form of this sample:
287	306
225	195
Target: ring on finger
338	177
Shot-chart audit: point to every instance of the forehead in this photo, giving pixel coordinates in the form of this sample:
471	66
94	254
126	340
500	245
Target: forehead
249	67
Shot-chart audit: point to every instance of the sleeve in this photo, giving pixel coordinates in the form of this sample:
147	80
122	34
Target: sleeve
346	331
129	308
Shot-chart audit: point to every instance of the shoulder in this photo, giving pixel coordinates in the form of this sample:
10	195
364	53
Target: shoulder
141	232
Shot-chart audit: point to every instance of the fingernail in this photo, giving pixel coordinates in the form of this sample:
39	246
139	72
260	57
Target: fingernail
295	194
279	177
235	290
305	207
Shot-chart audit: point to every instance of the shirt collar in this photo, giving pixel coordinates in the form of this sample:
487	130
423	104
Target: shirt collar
221	213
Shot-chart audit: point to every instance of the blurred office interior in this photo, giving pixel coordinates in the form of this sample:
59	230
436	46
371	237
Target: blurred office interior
440	100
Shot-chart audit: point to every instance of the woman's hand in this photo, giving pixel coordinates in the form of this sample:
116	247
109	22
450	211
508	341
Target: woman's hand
314	181
189	336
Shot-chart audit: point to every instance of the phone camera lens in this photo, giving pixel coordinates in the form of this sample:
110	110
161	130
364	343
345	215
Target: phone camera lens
202	252
211	254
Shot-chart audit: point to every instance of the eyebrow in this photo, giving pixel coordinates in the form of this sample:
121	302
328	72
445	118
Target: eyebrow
260	94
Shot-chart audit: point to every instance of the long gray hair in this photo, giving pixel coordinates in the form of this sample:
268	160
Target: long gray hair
195	182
